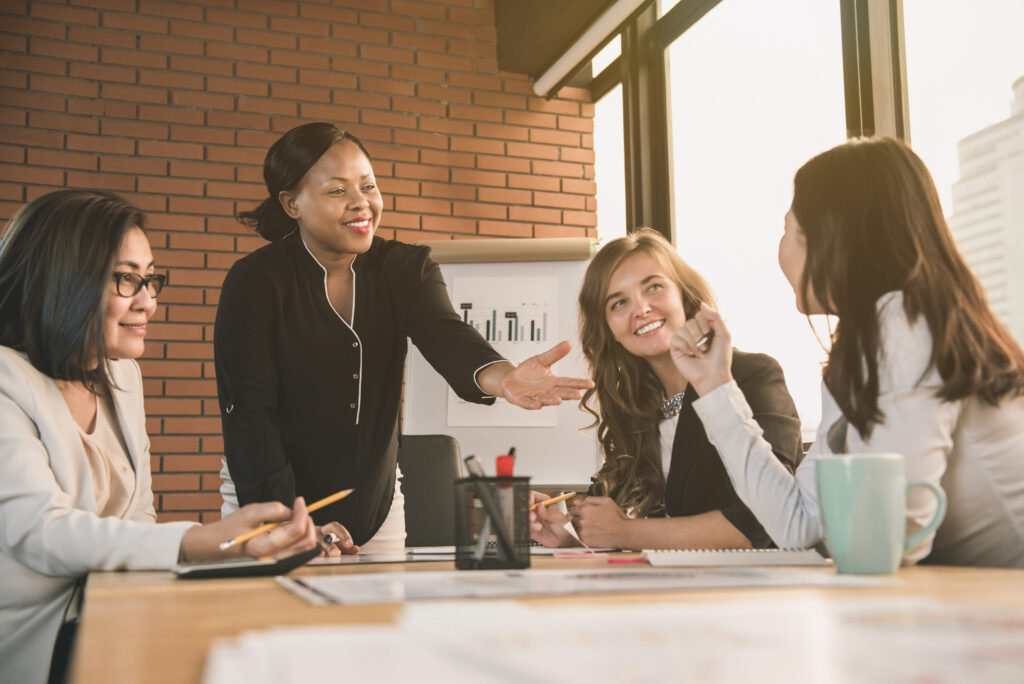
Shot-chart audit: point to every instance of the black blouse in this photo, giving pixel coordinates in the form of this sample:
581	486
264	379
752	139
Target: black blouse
310	404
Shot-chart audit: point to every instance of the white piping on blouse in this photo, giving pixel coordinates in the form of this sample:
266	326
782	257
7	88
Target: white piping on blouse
351	267
477	373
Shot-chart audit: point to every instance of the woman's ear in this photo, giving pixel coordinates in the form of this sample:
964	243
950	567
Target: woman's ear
287	200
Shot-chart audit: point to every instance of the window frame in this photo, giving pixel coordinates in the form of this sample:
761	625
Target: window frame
874	83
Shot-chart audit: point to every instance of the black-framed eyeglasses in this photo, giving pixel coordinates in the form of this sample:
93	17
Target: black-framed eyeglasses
129	284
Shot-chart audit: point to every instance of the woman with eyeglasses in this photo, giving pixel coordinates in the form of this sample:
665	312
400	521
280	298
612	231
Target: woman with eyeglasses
77	289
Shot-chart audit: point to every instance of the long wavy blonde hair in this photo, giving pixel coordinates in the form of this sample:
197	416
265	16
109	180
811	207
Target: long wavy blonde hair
626	399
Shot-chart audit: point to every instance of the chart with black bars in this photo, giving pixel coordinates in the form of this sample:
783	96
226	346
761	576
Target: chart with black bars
519	318
502	325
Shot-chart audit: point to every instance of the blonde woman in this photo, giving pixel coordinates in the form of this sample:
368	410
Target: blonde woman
662	484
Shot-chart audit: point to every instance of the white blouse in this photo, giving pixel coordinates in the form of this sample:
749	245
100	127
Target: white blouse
973	450
667	430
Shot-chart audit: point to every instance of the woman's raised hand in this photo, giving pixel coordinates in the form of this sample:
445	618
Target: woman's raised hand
705	360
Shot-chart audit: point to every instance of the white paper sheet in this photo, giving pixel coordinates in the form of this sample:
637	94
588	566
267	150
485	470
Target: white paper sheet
414	586
899	640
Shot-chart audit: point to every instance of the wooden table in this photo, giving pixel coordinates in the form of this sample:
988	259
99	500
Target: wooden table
151	627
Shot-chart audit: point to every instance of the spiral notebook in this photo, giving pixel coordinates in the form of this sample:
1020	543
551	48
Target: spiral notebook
734	557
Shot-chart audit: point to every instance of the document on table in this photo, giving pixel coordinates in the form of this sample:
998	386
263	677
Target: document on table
577	551
783	640
733	557
450	584
422	554
387	556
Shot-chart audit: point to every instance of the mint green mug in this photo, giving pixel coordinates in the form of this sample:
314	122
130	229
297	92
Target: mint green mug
863	500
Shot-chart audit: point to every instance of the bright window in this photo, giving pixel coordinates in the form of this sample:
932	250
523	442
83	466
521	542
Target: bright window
748	107
610	166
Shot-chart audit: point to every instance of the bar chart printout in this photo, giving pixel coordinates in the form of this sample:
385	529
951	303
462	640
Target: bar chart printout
519	318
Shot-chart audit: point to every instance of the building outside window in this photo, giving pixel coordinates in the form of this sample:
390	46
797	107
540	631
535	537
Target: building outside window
967	124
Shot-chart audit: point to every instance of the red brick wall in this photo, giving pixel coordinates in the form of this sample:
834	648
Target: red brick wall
173	104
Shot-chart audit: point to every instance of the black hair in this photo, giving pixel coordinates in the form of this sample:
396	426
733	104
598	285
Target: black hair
286	163
56	260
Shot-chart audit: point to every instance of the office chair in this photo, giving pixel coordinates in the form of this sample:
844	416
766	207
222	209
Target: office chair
430	464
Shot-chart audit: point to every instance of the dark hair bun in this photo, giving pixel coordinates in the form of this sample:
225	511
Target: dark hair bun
269	219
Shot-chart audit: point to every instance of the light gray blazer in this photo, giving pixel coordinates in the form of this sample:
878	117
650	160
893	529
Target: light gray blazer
50	533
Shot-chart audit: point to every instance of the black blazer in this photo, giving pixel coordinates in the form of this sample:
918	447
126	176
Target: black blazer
697	479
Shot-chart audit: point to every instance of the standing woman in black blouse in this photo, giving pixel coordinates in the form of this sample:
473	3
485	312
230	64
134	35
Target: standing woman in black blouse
310	343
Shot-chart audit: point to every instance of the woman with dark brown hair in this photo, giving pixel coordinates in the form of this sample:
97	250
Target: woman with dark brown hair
662	485
919	364
78	286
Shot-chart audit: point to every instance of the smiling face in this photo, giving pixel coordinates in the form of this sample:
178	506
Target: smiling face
125	318
643	306
337	203
792	259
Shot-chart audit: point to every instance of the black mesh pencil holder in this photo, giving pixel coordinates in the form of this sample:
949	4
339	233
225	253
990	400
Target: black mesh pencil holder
492	523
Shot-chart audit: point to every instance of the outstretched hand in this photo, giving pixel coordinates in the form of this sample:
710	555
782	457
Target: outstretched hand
532	385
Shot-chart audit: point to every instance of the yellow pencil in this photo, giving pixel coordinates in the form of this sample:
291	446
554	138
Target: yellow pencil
551	501
266	527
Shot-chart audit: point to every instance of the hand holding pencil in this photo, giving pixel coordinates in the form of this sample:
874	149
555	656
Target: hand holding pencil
266	527
203	542
702	350
547	524
548	502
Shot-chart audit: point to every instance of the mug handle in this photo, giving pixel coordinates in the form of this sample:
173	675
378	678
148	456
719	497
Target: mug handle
940	513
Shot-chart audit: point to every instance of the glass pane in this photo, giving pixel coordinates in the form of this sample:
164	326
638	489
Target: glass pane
748	107
665	6
967	124
608	54
610	166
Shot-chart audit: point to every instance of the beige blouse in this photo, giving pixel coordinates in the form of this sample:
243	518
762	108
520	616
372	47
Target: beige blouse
113	478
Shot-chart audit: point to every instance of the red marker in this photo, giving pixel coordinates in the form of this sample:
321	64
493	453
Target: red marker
504	465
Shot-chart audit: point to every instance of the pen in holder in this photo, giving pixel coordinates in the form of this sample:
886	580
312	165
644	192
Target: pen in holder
492	524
